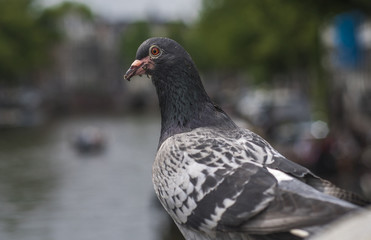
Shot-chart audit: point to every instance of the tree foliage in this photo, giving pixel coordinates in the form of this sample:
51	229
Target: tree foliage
22	40
27	34
264	37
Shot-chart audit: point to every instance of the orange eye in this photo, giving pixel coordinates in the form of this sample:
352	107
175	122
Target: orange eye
155	51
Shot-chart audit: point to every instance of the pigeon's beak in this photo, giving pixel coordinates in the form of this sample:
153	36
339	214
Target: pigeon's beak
139	67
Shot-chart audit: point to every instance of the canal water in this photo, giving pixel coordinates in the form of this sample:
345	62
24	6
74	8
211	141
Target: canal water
50	191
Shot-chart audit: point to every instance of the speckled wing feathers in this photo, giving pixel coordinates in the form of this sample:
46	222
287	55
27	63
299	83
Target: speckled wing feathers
213	181
191	165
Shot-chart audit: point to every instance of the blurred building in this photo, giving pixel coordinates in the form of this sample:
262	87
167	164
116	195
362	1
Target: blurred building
87	71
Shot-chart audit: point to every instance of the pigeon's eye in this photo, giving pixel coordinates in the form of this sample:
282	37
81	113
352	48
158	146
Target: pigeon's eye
155	51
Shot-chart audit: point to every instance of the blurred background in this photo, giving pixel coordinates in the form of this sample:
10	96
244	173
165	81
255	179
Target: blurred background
77	142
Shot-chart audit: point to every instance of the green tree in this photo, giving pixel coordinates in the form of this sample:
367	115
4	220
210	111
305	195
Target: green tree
27	34
265	37
262	36
21	39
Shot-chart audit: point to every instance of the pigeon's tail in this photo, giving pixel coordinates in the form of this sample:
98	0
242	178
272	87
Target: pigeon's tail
294	234
350	197
190	235
330	189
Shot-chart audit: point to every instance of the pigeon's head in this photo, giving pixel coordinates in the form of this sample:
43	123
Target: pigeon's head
156	55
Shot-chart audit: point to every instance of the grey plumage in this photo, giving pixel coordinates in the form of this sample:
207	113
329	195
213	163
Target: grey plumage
226	181
218	181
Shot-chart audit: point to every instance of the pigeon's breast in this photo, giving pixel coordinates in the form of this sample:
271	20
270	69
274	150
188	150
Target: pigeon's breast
173	185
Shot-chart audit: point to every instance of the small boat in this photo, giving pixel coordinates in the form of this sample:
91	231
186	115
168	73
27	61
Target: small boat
90	140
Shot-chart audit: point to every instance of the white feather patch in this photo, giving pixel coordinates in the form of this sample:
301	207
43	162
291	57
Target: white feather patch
280	176
299	232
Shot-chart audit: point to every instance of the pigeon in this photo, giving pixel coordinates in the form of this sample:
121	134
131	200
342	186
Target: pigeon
219	181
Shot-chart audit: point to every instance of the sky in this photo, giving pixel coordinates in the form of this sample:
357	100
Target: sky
114	10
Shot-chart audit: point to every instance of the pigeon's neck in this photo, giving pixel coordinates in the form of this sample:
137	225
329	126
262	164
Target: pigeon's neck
185	105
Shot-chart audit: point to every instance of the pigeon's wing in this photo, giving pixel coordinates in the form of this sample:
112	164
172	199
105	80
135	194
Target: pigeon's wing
269	201
273	159
233	192
296	205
